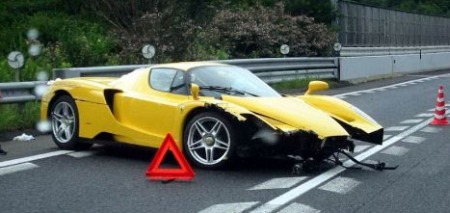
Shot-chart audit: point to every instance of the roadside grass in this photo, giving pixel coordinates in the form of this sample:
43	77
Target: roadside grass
18	116
301	84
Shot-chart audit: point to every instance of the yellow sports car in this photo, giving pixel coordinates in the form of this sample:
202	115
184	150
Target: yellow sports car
215	113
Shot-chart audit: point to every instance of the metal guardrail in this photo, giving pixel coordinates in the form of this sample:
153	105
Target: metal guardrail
18	92
270	70
377	51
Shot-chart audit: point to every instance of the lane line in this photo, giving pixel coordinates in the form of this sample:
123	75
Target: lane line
298	207
17	168
395	150
411	121
396	128
229	207
414	139
33	158
296	192
390	86
340	185
82	154
279	183
425	115
431	130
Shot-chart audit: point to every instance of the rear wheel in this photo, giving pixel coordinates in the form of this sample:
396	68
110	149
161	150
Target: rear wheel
65	124
209	141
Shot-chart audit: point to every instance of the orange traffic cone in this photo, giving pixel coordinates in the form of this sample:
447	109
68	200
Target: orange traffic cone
440	118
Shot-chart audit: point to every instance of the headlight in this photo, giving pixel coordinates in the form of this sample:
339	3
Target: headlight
363	114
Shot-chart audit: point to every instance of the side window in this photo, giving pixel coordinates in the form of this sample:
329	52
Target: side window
168	80
179	84
161	79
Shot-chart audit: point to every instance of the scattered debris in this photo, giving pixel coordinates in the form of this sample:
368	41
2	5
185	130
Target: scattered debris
23	137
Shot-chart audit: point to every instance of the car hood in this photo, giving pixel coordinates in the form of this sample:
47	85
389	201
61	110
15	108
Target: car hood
290	111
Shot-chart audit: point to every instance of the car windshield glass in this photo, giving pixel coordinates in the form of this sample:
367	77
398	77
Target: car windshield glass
230	80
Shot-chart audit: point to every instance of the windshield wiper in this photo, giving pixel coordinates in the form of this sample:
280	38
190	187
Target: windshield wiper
229	89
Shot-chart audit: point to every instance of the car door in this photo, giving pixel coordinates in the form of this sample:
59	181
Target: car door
153	111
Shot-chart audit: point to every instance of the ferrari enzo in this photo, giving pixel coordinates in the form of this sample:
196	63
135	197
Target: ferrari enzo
215	112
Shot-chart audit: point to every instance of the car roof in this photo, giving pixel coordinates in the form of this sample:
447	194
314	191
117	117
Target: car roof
185	66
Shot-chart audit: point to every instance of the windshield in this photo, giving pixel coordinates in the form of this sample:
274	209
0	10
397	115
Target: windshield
230	80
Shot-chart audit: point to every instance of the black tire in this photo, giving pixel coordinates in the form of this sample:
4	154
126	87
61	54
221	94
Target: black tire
210	131
65	124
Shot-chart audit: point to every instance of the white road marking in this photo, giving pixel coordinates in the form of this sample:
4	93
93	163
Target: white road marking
292	194
396	128
279	183
395	150
431	129
425	115
229	207
81	154
341	185
431	110
413	139
355	94
17	168
33	158
412	121
360	148
297	208
385	87
386	137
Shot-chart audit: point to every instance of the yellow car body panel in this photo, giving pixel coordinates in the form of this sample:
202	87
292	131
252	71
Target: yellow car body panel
342	111
132	112
292	112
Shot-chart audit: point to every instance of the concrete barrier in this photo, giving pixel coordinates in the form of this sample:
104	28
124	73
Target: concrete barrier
362	68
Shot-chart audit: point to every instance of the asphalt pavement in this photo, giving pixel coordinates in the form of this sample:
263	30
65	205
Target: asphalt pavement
37	177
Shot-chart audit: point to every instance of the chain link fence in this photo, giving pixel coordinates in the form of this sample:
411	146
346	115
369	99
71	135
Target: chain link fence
363	25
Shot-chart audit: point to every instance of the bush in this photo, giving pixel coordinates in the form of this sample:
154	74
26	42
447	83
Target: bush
259	32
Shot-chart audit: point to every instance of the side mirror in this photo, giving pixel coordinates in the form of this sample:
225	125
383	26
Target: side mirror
316	86
195	90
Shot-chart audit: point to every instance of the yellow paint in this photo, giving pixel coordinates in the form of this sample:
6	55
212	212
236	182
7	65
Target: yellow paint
143	116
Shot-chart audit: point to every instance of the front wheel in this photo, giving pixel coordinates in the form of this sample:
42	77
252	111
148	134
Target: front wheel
64	120
209	141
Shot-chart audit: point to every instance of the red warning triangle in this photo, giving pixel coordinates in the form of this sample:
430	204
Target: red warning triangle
185	171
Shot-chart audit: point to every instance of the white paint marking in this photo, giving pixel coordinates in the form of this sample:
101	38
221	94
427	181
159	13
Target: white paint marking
355	94
385	87
386	137
298	207
431	110
292	194
425	115
33	158
412	121
394	87
360	148
341	185
81	154
431	129
279	183
413	139
395	150
229	207
396	128
17	168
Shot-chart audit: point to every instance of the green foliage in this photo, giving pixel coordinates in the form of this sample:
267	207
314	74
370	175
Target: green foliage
19	116
259	32
430	7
